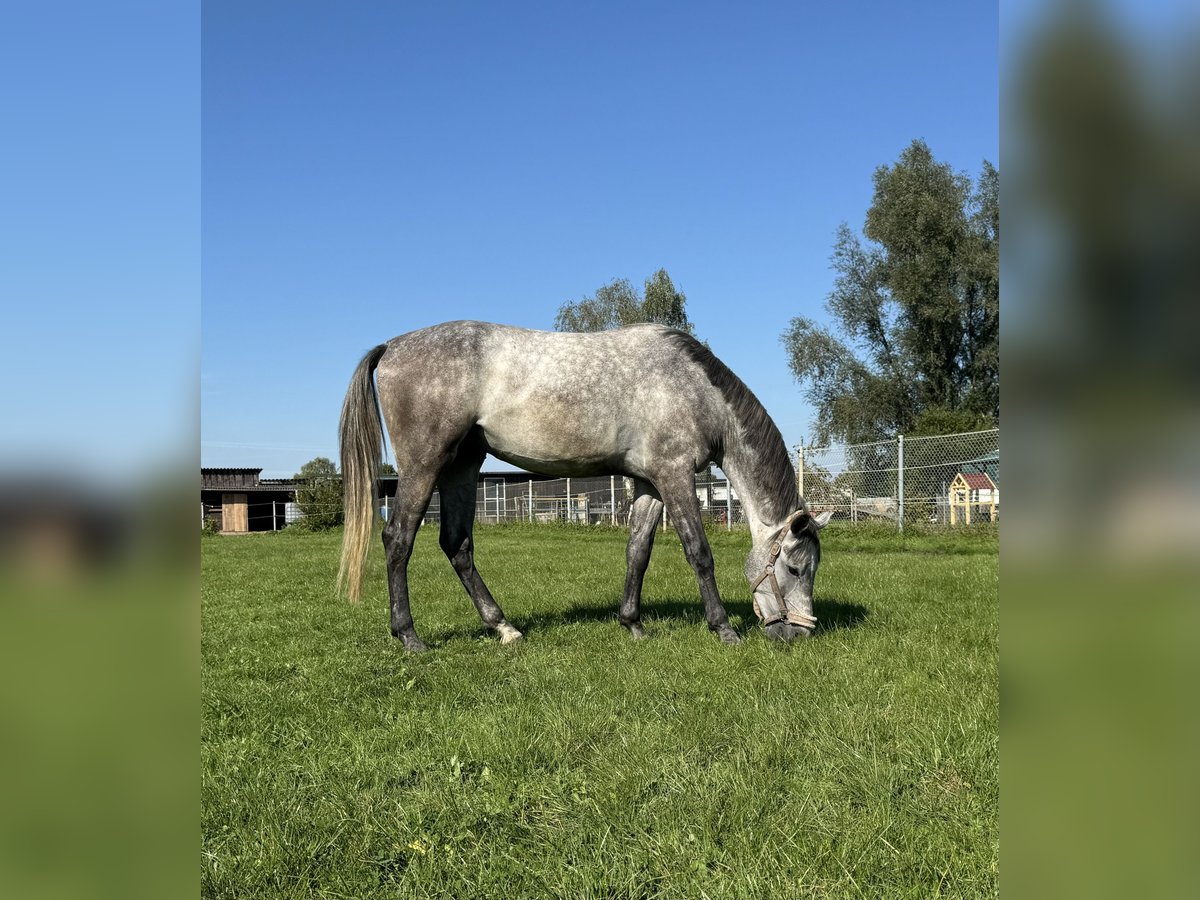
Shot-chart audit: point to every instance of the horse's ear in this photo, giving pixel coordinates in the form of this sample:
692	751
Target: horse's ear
822	519
800	521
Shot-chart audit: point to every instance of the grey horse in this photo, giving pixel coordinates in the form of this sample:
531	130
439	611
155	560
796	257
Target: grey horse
645	401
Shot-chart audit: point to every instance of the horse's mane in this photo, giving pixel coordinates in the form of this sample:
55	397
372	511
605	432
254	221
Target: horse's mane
771	466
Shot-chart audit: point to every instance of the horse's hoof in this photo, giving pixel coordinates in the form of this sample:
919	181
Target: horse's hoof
508	634
414	644
728	635
637	632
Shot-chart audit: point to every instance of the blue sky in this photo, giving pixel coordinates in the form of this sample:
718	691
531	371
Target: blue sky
340	173
373	168
100	230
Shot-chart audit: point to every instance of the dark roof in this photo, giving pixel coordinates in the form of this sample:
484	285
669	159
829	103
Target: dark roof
240	479
978	481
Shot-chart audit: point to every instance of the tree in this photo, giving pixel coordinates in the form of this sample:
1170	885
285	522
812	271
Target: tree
918	308
319	494
663	303
618	303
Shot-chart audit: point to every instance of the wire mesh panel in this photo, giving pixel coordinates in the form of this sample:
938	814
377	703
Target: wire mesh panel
931	465
857	482
909	479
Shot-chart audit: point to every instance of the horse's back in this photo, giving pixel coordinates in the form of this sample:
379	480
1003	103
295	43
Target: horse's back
472	355
549	401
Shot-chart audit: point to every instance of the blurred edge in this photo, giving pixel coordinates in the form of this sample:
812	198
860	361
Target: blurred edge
99	589
1101	297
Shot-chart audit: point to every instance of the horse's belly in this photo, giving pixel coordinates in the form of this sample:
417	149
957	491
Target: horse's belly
534	446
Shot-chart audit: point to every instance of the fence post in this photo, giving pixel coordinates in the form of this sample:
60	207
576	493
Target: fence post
570	511
531	500
800	469
274	515
728	503
900	482
612	496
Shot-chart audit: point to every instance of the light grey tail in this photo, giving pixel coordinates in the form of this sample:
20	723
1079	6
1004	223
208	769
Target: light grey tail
361	436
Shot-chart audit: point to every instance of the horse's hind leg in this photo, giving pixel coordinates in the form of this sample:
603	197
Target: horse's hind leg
412	499
457	486
643	522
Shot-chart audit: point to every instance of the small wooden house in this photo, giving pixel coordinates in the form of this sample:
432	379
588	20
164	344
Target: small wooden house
973	496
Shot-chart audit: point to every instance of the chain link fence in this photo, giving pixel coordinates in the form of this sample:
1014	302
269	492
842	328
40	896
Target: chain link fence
604	500
947	479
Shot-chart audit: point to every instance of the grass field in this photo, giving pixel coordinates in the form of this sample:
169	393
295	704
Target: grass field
579	764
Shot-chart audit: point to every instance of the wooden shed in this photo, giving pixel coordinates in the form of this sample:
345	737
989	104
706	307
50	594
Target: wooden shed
973	495
240	500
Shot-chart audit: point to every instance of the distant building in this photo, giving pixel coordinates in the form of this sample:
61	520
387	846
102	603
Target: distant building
717	498
241	500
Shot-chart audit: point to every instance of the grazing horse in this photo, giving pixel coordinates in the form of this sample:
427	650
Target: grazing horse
645	401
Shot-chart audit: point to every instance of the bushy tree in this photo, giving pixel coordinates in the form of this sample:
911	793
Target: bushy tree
917	309
664	304
619	303
319	493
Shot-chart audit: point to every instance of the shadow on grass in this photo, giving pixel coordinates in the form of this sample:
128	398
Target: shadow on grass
833	615
837	614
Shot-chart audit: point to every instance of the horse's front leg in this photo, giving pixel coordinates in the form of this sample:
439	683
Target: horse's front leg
643	522
684	507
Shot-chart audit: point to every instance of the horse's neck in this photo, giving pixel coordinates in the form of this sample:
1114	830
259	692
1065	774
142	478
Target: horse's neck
762	512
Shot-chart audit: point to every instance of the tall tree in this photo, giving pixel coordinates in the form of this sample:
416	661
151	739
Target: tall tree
619	303
917	308
663	303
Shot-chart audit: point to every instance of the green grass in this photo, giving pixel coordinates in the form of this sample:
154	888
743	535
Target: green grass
580	764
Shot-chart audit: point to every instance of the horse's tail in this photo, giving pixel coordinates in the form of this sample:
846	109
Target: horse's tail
361	437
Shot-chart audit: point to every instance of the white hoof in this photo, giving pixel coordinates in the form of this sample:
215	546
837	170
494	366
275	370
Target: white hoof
508	634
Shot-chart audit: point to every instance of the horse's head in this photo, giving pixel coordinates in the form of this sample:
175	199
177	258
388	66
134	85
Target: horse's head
782	572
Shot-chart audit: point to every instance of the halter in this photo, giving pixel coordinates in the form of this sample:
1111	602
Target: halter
777	609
